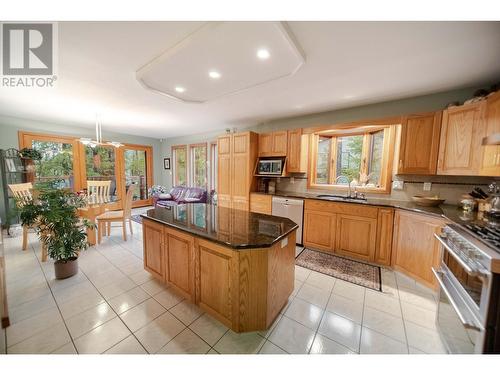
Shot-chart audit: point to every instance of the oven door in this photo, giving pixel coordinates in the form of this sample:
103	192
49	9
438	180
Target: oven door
459	325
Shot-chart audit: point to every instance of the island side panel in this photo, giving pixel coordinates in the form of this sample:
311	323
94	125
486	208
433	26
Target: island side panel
154	257
281	271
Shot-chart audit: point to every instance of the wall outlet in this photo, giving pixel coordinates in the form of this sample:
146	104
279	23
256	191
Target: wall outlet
398	185
427	186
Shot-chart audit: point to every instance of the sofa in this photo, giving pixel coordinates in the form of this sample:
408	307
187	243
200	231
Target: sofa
180	195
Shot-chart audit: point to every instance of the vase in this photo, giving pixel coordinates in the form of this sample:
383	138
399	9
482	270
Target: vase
66	268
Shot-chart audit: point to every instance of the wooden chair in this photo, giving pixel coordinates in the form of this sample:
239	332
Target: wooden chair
121	216
100	188
23	195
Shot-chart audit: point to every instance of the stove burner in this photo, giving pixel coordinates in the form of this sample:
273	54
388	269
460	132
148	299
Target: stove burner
489	234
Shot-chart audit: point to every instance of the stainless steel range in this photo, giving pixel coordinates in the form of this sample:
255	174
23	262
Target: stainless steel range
468	314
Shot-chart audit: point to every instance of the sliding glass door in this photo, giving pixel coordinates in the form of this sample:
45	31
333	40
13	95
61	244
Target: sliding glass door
137	169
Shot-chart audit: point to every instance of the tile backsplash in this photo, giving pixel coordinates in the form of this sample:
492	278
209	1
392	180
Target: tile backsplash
450	188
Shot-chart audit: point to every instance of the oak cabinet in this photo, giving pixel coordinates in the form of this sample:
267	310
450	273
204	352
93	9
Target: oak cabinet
319	230
179	261
153	248
261	203
237	154
385	223
353	230
217	271
273	144
462	131
356	236
490	165
418	152
415	250
297	151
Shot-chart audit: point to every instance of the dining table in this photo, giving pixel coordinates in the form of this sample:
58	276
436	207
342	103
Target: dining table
95	206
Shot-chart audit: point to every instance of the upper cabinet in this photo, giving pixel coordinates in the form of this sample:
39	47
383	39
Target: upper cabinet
419	146
490	165
462	131
273	144
297	151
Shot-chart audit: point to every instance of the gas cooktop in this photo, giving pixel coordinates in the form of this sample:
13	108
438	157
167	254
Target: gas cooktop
487	232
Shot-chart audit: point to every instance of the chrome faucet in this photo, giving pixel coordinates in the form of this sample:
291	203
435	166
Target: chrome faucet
346	179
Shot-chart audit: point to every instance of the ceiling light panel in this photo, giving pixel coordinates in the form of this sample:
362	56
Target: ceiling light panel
235	48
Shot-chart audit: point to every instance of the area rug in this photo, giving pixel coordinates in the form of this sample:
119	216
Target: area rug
137	218
345	269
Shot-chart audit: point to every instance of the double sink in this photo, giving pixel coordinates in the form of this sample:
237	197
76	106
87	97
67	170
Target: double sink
335	197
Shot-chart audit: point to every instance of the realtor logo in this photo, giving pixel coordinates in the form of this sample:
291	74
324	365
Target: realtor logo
28	49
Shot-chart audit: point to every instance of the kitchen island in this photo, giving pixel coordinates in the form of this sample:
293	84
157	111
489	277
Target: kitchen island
236	265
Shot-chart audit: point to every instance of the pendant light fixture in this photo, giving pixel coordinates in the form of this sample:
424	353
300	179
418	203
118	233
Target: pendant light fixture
98	137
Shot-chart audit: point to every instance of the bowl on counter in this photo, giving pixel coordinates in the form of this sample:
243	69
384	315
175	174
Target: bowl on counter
427	201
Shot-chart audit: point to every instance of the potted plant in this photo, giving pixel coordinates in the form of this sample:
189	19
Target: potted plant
53	214
30	153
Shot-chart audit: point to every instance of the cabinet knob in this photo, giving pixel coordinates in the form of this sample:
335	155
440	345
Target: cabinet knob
400	163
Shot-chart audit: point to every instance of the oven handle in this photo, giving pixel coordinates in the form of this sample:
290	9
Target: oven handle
466	267
465	322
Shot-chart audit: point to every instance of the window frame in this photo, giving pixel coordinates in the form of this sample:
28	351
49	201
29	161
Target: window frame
175	176
214	168
191	167
351	130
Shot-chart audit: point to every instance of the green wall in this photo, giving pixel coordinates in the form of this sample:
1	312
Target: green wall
9	127
372	111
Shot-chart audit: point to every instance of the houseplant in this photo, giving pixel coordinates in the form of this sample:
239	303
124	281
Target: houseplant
53	214
30	153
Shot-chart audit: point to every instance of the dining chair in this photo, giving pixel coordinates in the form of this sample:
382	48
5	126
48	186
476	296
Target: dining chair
23	195
100	188
121	216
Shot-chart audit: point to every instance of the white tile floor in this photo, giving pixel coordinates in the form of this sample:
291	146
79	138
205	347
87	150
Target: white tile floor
114	306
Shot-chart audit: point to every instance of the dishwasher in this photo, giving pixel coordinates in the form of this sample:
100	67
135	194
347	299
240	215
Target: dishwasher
292	209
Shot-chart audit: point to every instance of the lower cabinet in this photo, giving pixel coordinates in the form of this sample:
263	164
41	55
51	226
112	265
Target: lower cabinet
352	230
415	249
179	265
356	236
154	260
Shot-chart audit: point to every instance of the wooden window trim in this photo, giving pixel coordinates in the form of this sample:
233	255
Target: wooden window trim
174	164
387	157
191	164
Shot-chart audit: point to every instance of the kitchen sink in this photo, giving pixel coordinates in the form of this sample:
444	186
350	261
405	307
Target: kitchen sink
340	197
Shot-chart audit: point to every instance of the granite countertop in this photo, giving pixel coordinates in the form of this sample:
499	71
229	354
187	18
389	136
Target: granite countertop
233	228
446	211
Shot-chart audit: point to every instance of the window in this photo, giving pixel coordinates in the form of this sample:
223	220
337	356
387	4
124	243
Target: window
179	154
198	165
360	155
100	164
213	166
138	171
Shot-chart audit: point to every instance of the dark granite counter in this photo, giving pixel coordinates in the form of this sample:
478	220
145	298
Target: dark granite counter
446	211
233	228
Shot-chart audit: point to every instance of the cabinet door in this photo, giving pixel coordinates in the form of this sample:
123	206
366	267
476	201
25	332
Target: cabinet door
296	152
415	250
224	166
240	167
490	165
319	230
460	149
356	236
418	153
265	144
241	204
215	286
180	261
153	248
261	203
384	236
280	142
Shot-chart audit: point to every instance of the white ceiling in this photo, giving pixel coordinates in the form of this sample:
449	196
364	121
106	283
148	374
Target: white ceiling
347	64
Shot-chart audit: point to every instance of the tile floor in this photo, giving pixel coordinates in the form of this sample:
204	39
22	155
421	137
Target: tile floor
114	306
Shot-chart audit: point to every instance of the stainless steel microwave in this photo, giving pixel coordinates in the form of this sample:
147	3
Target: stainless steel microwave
271	166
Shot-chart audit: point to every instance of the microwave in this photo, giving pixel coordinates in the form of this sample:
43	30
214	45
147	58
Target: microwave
271	166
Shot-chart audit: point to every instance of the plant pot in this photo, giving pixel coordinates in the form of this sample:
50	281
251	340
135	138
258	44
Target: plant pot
66	268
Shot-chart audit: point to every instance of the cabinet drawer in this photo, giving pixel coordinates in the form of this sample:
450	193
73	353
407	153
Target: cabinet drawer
261	203
342	208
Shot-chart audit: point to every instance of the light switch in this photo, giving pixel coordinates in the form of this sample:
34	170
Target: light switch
427	186
398	185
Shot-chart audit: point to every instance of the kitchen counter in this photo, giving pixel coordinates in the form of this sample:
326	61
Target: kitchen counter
233	228
446	211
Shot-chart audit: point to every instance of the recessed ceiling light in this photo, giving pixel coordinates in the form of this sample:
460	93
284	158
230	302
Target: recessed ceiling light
214	74
263	54
180	89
